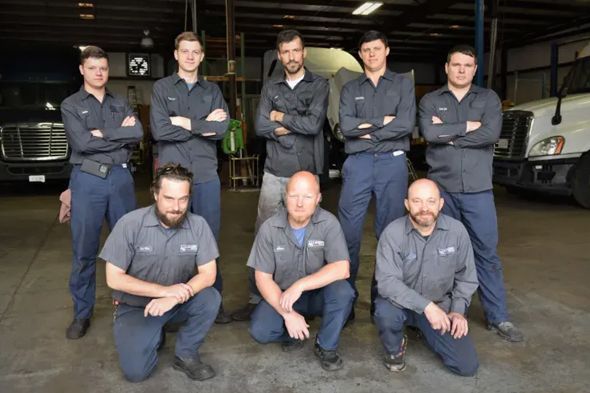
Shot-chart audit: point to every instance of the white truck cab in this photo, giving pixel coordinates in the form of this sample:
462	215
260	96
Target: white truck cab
545	145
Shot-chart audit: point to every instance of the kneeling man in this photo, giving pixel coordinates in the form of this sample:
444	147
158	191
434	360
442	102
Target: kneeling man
426	277
301	265
161	266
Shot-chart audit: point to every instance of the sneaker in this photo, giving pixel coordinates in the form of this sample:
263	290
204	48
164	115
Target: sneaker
222	318
77	329
397	362
244	313
194	368
507	331
292	345
330	360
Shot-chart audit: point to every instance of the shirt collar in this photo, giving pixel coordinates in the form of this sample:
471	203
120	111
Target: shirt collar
176	78
84	94
307	76
151	219
472	89
282	220
442	224
389	75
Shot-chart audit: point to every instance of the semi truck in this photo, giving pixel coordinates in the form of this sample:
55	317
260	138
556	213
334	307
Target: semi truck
544	145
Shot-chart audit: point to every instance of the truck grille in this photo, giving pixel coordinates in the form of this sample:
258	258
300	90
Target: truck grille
33	142
513	138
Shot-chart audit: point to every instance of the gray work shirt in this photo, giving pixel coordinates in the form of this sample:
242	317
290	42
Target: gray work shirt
413	271
146	250
305	109
171	97
466	164
82	112
275	250
362	102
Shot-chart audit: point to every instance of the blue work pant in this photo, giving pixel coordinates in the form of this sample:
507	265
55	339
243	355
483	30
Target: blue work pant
458	355
206	202
93	200
384	175
477	212
137	337
332	303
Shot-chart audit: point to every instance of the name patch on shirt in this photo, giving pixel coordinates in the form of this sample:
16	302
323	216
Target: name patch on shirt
315	243
443	109
84	112
359	98
145	249
443	252
279	248
189	248
171	98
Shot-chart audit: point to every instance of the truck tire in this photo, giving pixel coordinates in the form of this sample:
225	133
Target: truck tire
581	181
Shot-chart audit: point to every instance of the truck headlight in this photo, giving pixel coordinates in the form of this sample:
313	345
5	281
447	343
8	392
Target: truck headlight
548	147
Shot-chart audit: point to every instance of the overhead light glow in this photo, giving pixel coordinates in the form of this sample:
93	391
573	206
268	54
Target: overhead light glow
81	47
435	34
367	8
86	5
87	16
289	17
454	26
278	26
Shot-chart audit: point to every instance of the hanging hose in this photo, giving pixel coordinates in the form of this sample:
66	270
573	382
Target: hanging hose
233	141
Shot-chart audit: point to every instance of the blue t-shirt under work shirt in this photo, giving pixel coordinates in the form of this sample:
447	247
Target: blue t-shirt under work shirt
299	235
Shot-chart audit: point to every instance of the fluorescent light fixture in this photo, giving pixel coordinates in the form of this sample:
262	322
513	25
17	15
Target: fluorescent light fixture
85	5
454	27
367	8
435	34
289	17
87	16
278	26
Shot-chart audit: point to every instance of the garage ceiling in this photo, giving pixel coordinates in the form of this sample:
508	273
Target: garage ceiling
416	28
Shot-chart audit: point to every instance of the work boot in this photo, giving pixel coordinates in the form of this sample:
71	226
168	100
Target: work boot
397	361
330	360
222	317
77	329
244	313
507	331
194	368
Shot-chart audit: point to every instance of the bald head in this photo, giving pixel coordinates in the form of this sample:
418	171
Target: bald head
302	196
306	179
424	187
424	205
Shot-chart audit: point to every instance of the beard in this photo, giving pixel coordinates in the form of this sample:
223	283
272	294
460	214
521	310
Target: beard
424	219
171	222
293	67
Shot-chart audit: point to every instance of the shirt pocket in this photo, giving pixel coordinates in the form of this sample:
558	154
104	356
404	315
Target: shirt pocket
359	106
446	262
409	265
315	259
392	100
186	259
303	102
279	104
116	116
144	260
87	118
172	105
476	110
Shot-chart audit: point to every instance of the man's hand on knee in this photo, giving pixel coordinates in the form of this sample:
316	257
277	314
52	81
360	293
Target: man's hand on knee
438	318
159	307
459	326
296	325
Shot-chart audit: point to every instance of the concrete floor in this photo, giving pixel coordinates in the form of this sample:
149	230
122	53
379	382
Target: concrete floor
544	246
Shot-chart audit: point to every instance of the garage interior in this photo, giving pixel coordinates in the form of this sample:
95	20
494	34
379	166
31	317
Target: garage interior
543	238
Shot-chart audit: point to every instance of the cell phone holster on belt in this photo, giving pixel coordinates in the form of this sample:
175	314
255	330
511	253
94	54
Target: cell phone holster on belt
95	168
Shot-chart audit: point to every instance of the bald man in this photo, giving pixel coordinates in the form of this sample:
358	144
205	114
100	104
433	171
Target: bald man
425	278
301	265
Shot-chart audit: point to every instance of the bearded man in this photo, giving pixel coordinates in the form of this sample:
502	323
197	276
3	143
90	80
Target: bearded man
161	267
425	278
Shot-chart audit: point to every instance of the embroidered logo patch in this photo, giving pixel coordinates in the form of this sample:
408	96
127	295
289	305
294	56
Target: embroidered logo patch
443	109
189	248
443	252
359	98
145	249
315	243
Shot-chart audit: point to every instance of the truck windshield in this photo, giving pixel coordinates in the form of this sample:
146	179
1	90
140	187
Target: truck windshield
580	77
48	95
